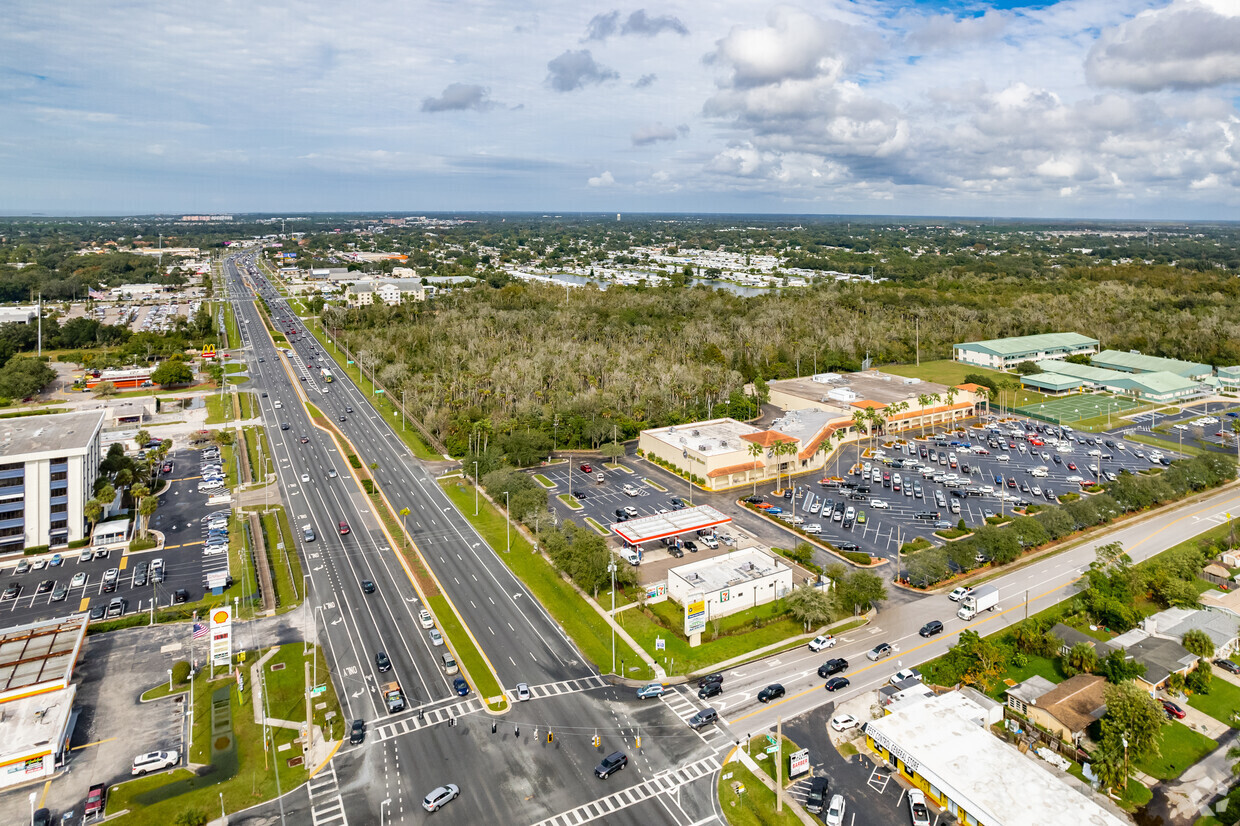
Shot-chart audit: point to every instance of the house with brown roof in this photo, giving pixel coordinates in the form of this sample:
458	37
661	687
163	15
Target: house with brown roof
1069	708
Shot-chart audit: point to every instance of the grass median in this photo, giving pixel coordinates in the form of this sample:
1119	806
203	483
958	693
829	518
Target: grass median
589	631
746	801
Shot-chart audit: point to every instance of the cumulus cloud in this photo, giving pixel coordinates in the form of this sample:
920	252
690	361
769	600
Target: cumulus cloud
794	45
603	26
644	81
603	180
655	132
576	70
1190	44
457	97
948	31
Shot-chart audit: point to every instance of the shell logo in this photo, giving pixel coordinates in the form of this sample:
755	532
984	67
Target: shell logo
219	617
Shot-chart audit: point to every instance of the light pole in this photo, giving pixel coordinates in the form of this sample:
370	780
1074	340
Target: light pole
169	680
475	488
611	569
383	803
33	795
507	522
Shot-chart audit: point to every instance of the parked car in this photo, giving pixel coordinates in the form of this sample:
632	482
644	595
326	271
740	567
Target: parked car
1228	666
153	761
917	807
844	722
1173	711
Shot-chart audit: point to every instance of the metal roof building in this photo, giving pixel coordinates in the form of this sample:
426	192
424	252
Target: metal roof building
1002	353
1140	363
1156	387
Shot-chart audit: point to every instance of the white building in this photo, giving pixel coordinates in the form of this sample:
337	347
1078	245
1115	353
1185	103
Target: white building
18	315
942	746
48	465
390	291
730	583
137	290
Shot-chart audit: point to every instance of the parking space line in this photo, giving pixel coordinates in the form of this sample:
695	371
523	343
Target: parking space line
84	604
124	561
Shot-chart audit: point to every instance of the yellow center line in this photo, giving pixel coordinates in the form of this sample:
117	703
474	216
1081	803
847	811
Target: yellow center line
187	544
43	796
88	745
992	616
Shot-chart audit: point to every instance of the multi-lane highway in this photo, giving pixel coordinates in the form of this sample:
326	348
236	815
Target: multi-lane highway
409	753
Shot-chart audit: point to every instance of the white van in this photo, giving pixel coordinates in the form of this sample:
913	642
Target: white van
1003	457
1039	472
629	555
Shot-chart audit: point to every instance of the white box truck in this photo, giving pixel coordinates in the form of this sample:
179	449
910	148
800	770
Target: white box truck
983	598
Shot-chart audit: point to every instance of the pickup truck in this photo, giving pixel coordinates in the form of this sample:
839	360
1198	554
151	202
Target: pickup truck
95	799
394	698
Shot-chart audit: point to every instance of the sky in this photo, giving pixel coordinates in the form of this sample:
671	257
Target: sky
1075	109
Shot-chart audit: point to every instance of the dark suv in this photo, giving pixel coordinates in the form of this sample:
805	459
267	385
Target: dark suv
772	692
703	718
710	690
611	764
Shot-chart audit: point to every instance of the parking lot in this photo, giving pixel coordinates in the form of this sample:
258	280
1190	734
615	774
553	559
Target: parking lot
989	470
971	475
82	571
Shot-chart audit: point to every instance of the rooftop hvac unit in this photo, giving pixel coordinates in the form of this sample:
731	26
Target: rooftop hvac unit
703	448
697	433
723	443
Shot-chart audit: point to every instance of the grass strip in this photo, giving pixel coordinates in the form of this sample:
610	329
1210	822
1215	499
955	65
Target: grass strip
589	631
746	801
570	501
230	327
1166	444
589	520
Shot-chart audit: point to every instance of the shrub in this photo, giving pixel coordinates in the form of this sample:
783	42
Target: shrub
180	672
354	461
856	556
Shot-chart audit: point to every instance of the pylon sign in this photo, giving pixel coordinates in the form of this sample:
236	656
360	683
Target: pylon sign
208	352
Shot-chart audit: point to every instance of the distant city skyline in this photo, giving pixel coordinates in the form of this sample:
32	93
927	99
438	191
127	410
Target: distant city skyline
1080	109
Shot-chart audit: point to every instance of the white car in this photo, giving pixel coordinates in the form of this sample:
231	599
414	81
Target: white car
823	642
917	807
424	617
959	594
813	528
305	477
523	692
835	811
213	550
878	503
79	579
436	637
153	761
844	722
712	543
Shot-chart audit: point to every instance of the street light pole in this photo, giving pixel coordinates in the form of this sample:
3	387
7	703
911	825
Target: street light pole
611	569
475	488
507	522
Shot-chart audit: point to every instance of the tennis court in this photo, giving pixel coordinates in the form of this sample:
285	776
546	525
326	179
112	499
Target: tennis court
1074	408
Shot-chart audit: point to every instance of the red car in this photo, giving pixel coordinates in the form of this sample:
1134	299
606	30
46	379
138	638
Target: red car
584	468
344	527
1173	710
1071	466
95	799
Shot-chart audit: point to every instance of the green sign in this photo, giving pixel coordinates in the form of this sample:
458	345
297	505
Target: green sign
770	739
772	749
317	690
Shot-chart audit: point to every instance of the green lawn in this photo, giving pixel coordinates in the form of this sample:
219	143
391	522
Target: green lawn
285	566
755	805
219	408
679	658
243	772
584	626
570	501
249	405
234	367
758	745
941	371
1181	747
1221	703
230	326
544	481
1166	444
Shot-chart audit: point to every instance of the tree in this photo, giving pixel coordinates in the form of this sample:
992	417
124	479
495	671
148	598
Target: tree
105	389
1133	716
147	506
24	377
92	510
172	372
809	606
923	400
927	567
981	659
1110	765
858	591
1117	668
756	452
1198	680
142	437
1198	642
613	451
1080	659
1027	368
526	448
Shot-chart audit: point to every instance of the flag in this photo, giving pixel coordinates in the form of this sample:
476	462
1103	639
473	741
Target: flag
200	630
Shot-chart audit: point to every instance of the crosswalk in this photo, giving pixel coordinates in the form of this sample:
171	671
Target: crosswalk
684	708
665	782
426	718
326	805
542	692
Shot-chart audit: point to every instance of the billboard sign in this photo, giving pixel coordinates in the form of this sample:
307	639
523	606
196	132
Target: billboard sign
800	764
695	614
221	636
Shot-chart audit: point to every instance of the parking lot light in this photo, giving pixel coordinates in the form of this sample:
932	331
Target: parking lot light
169	680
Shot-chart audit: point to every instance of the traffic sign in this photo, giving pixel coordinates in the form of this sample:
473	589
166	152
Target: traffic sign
317	690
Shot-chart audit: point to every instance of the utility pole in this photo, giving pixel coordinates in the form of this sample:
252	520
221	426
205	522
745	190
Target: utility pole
611	569
779	764
40	311
309	719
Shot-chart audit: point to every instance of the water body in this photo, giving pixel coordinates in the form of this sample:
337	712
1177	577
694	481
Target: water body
718	285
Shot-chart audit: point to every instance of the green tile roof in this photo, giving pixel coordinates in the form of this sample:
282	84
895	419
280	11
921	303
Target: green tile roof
1023	345
1140	363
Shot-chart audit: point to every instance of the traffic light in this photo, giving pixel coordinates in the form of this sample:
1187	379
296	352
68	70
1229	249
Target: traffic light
549	736
639	741
597	741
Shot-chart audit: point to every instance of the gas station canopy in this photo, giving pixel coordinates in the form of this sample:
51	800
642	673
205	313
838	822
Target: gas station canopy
653	528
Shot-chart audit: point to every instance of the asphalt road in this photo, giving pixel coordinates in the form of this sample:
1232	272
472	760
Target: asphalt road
416	750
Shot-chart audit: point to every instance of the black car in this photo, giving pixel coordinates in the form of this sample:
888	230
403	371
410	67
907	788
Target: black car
754	500
931	628
368	587
98	610
179	596
358	732
848	546
579	494
284	425
691	546
1228	666
676	551
12	591
382	662
772	692
620	515
710	678
710	690
816	799
833	666
611	764
344	418
45	586
837	683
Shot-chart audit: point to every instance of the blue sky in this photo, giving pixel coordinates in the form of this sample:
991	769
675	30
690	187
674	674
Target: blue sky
1081	108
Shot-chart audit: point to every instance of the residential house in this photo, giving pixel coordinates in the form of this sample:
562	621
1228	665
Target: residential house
1024	696
1068	709
1222	628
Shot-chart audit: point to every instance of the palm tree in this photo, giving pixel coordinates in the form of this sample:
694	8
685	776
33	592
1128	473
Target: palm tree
923	399
146	509
859	421
984	392
756	451
950	396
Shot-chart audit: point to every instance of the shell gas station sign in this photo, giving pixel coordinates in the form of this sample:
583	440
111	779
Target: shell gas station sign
221	636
